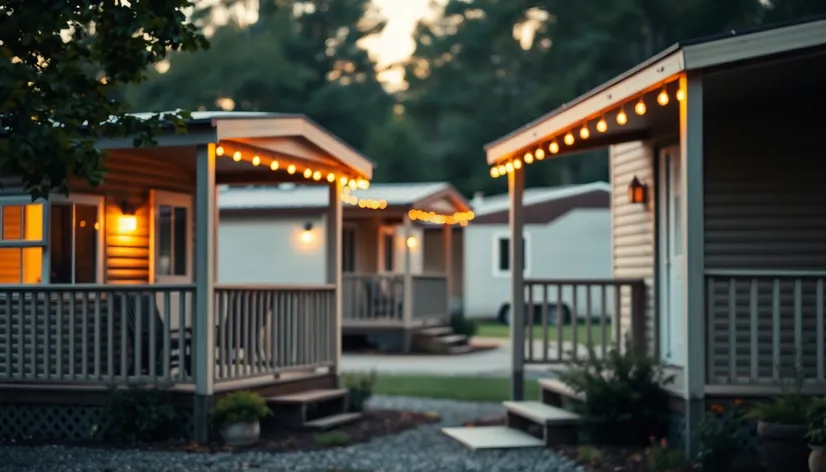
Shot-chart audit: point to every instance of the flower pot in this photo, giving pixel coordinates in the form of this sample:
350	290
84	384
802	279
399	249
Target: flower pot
241	434
783	446
817	459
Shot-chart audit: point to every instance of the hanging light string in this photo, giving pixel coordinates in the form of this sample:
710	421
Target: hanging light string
460	217
314	173
552	146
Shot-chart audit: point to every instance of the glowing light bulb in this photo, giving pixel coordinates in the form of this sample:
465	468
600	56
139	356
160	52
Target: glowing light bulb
662	98
237	156
317	175
517	164
274	165
352	184
494	172
569	138
602	126
554	147
622	118
219	151
363	184
291	169
343	181
540	154
584	132
509	167
502	169
680	95
256	160
640	108
308	173
528	158
331	177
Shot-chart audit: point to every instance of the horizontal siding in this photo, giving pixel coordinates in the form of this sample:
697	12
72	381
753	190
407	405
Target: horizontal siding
633	227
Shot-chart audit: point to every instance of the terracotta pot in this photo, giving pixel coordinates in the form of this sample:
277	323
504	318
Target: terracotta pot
783	446
817	459
241	434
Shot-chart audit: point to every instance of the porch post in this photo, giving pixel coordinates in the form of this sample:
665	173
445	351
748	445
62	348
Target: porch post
333	238
447	231
204	321
407	299
691	155
516	187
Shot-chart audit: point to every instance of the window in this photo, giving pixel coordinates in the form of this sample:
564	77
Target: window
389	252
74	243
502	255
348	250
21	243
172	240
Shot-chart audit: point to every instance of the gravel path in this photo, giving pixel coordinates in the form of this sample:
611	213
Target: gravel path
424	449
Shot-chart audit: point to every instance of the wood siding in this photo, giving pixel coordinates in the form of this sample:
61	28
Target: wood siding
632	227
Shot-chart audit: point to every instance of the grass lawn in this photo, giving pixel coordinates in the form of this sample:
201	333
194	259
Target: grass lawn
498	330
454	388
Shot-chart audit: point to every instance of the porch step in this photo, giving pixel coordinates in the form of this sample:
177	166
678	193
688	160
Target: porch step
452	339
311	409
435	332
557	393
492	437
457	350
329	422
555	425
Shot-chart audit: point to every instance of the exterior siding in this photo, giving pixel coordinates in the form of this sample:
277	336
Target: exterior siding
633	227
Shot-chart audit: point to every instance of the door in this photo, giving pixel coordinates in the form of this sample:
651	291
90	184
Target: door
672	281
172	221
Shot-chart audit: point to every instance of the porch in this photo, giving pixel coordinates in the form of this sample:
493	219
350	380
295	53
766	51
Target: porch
116	286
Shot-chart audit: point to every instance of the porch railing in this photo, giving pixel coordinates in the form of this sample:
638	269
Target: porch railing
271	329
380	298
762	324
565	319
96	334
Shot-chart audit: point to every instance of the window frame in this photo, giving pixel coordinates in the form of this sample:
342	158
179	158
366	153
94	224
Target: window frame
384	232
353	229
500	235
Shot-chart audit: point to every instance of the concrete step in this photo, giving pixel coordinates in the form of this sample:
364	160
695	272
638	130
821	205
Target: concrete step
329	422
435	331
493	437
555	392
541	413
309	396
460	349
452	339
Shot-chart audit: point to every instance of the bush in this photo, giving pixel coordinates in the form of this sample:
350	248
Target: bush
816	420
332	439
239	407
359	389
723	434
662	458
625	403
139	414
461	325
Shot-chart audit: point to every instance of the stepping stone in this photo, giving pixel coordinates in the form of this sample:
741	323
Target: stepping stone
493	437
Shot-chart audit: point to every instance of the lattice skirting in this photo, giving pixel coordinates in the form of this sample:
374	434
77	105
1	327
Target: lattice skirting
62	422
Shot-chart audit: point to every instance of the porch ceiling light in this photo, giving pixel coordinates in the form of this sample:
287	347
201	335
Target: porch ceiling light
307	234
127	220
412	242
637	191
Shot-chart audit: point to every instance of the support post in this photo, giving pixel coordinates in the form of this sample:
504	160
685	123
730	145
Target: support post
516	188
407	300
204	320
447	232
334	265
694	312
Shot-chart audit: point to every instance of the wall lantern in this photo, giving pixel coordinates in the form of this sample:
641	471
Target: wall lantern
637	191
412	242
127	221
307	234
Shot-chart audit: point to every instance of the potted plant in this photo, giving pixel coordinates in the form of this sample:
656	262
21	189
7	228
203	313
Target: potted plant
782	427
817	435
238	416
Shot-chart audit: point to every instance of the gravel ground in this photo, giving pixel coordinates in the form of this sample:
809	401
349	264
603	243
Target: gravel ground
424	449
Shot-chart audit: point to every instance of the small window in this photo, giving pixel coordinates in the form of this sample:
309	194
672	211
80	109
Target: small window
348	250
503	254
173	240
389	252
21	243
73	248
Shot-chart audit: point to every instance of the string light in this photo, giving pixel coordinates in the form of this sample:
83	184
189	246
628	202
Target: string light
237	156
680	95
540	154
308	173
528	158
517	164
219	151
554	147
584	132
569	138
256	160
640	108
331	177
622	118
274	165
662	98
602	126
460	217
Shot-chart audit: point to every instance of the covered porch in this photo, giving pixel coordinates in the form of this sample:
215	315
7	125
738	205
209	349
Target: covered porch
115	286
719	216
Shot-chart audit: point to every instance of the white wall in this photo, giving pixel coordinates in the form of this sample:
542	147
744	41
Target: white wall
270	250
575	246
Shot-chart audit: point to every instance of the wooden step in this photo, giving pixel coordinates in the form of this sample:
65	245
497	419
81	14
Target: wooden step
460	349
554	392
555	425
308	396
435	332
542	414
329	422
452	339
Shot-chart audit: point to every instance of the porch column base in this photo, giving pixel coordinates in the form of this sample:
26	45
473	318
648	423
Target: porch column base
201	405
517	385
694	412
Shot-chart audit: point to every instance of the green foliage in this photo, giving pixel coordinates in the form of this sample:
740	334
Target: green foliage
463	325
360	388
140	415
722	434
662	458
62	68
239	407
816	420
332	439
789	408
588	455
625	401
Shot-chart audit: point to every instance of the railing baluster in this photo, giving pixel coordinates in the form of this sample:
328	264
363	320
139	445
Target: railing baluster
97	334
72	320
711	319
732	333
560	322
798	322
776	329
754	293
531	311
575	320
604	319
545	333
819	343
110	337
588	314
166	307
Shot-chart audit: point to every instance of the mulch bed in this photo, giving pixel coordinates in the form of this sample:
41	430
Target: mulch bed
374	424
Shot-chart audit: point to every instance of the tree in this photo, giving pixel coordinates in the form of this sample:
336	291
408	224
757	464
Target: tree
63	65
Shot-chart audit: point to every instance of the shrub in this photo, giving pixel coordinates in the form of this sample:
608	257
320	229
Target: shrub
662	458
790	408
359	389
722	434
816	420
239	407
588	455
462	325
332	439
140	414
625	403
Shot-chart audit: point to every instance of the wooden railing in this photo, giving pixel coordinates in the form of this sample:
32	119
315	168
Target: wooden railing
761	325
567	319
96	334
267	330
430	297
368	297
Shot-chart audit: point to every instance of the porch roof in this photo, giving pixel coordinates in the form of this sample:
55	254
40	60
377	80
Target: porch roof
645	82
496	204
278	139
